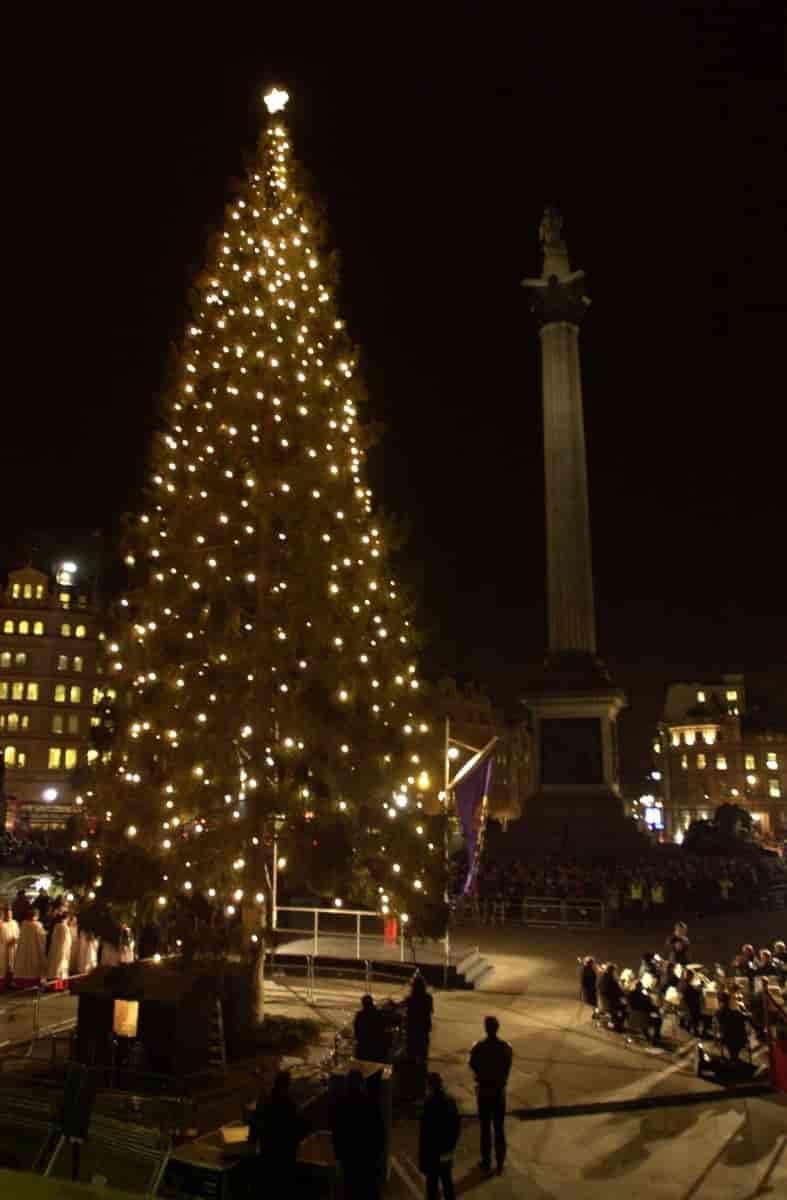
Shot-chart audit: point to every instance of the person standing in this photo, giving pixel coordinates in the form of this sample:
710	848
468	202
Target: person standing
22	907
30	962
588	982
371	1042
9	936
87	952
677	945
490	1062
59	957
358	1141
275	1127
419	1007
438	1135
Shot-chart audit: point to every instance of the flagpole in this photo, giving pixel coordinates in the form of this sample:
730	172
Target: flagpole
446	778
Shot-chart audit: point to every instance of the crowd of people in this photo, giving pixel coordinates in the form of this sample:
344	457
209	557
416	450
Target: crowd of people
666	883
41	942
725	1004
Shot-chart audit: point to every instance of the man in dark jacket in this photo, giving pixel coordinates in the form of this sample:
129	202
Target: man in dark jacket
437	1140
640	1001
276	1128
490	1062
371	1041
612	998
359	1141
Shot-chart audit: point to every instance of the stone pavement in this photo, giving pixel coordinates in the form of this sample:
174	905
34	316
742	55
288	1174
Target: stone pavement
725	1146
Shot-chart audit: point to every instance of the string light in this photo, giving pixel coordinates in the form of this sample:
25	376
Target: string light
267	579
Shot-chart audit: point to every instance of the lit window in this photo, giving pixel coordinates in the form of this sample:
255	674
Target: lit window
20	658
28	591
92	755
702	762
38	628
98	695
684	761
32	691
65	630
17	691
55	758
721	762
771	761
700	697
57	723
13	720
690	736
83	601
73	723
39	591
16	591
24	627
675	739
60	693
8	626
71	758
709	736
732	695
78	663
9	756
3	691
657	747
65	599
750	762
75	694
774	789
62	662
81	631
5	659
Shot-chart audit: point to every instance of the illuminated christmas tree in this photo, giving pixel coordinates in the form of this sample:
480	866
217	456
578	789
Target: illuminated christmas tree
264	657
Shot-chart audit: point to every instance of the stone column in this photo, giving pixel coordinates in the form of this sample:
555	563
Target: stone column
569	569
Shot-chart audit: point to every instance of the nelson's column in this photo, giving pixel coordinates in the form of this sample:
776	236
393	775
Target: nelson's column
575	802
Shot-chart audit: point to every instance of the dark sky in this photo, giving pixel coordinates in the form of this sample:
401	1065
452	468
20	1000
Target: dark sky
434	138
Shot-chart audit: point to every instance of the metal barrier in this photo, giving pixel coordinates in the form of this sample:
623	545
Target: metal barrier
331	926
566	914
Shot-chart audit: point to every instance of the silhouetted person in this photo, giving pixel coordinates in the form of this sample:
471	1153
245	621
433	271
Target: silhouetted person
419	1007
275	1128
149	940
371	1042
611	993
438	1135
696	1020
640	1001
732	1027
358	1141
588	982
677	945
21	907
42	904
490	1062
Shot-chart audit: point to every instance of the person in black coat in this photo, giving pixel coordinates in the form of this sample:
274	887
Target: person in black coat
697	1021
588	982
732	1027
438	1135
276	1129
611	993
419	1007
677	945
640	1001
369	1027
359	1141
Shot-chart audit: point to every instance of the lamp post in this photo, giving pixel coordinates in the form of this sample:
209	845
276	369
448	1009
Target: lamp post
278	823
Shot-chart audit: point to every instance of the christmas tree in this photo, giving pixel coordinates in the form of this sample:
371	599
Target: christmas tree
263	658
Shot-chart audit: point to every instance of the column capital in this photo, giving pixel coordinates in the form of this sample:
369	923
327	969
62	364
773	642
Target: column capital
555	300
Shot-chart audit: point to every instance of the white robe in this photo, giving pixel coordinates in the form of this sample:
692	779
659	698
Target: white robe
112	956
87	952
9	935
30	961
59	952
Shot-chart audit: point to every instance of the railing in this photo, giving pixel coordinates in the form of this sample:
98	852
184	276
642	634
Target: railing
18	1003
532	910
336	917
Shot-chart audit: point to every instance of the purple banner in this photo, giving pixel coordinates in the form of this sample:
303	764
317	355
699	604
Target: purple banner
470	795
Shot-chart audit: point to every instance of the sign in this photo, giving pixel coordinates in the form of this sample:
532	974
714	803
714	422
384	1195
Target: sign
125	1018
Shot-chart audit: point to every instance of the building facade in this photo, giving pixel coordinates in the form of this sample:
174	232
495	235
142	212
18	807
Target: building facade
474	721
709	750
49	686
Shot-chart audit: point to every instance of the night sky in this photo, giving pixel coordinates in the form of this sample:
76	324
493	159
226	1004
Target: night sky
434	142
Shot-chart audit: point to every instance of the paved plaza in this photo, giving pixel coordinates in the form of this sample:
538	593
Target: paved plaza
645	1126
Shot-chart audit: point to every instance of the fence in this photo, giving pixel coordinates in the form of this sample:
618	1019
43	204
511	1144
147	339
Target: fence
534	911
33	1013
332	923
